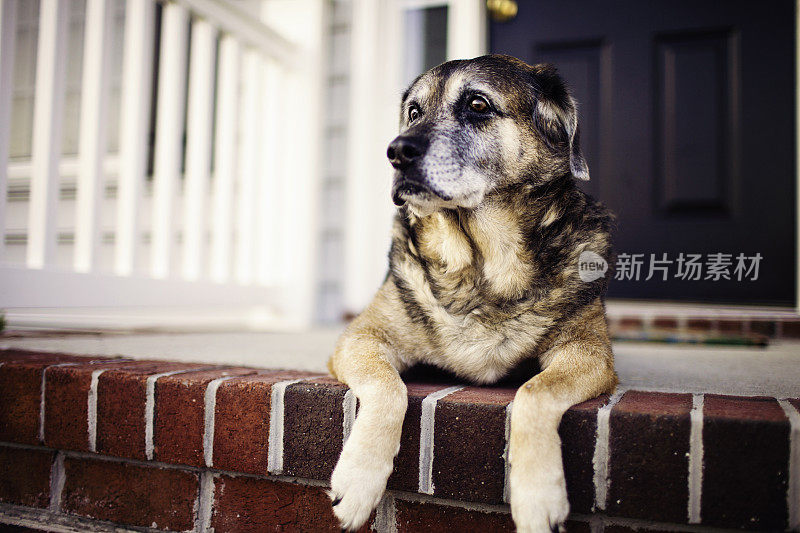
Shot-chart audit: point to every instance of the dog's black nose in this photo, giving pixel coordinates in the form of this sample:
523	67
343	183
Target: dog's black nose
403	151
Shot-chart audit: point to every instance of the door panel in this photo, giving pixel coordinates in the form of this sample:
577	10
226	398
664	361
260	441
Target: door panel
687	122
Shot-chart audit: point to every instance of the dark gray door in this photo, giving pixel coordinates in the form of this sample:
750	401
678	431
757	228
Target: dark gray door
687	112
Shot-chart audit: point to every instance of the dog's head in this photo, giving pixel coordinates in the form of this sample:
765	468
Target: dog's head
469	127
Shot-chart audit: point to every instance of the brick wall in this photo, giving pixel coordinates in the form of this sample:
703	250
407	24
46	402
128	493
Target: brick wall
99	444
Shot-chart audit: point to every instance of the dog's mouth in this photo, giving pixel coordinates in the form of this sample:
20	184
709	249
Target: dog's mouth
407	189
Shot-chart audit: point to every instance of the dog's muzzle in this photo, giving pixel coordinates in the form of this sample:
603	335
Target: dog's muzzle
404	153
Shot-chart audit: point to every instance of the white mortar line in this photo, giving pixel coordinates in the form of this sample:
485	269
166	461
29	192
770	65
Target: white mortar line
385	515
91	418
205	502
275	453
42	399
506	454
209	416
57	479
426	432
695	459
349	407
150	406
793	493
601	452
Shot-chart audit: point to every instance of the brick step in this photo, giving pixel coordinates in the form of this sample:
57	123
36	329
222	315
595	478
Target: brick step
174	446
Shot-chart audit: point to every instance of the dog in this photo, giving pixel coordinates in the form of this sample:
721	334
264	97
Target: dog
484	276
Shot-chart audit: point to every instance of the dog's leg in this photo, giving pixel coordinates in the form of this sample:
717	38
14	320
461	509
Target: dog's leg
361	361
576	371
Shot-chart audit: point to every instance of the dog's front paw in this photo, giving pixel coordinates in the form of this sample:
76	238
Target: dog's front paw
539	507
357	484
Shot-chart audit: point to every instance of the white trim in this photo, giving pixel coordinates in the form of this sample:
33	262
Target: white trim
385	515
209	418
349	405
60	288
57	479
507	456
228	17
91	410
696	460
427	430
276	421
601	450
793	491
205	501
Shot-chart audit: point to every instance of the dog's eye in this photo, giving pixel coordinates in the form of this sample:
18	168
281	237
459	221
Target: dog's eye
479	104
413	114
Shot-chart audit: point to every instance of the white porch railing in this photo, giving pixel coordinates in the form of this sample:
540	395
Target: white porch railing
227	221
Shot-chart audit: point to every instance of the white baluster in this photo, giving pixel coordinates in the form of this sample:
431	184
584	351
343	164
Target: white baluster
198	147
137	77
46	143
271	185
8	24
227	120
92	141
249	153
169	135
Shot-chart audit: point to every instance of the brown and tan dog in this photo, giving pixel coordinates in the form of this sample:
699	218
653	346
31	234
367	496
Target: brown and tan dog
486	271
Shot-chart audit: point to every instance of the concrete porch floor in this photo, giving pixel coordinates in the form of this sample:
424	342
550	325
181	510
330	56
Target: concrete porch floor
771	371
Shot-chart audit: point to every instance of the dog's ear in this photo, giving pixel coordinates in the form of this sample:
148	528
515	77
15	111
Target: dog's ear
555	114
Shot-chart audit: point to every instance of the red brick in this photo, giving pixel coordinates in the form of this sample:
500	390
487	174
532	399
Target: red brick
21	393
431	517
575	526
313	428
746	454
665	322
791	329
639	527
241	425
66	404
243	504
629	322
469	443
649	440
25	476
125	493
765	327
406	465
121	396
179	426
578	432
735	327
699	324
743	408
12	355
